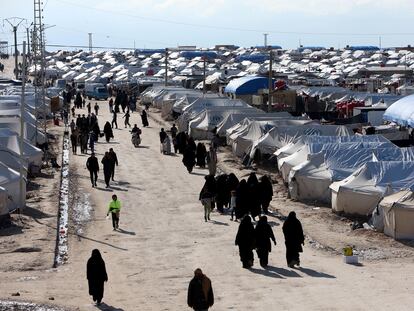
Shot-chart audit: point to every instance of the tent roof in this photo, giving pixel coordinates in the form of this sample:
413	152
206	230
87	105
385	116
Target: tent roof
246	85
401	112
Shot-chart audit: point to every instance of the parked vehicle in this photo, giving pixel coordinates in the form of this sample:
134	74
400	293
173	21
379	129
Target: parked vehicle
96	91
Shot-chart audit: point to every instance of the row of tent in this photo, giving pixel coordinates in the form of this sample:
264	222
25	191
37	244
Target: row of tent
11	162
322	163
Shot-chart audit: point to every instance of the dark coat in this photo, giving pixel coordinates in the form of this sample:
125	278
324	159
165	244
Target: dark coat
96	275
263	234
232	182
253	195
293	232
200	293
144	119
245	239
223	191
107	165
113	158
209	189
163	136
265	190
242	207
189	158
201	155
108	131
92	164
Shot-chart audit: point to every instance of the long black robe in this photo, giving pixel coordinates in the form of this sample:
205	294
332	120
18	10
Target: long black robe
265	193
96	275
201	155
242	195
144	119
223	192
245	239
107	168
253	199
263	234
189	159
108	132
294	238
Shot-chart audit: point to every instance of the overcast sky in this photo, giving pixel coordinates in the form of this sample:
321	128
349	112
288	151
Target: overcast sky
166	23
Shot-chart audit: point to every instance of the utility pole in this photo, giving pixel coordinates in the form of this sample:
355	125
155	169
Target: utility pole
204	75
270	81
265	39
90	41
22	106
166	67
12	21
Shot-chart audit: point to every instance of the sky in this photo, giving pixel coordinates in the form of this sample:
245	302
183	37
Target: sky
205	23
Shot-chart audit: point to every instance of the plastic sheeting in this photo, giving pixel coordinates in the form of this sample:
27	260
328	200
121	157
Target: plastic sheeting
10	181
398	214
312	178
401	112
361	192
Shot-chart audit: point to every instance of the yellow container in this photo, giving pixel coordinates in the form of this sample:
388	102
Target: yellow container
348	251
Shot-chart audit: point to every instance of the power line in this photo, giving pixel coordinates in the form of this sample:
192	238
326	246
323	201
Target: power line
232	28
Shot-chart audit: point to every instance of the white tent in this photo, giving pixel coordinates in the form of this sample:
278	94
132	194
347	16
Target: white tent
311	179
10	181
398	214
11	141
290	131
30	132
360	192
200	104
235	118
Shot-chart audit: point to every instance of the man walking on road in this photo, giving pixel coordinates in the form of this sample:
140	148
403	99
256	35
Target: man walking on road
93	167
200	292
114	161
114	209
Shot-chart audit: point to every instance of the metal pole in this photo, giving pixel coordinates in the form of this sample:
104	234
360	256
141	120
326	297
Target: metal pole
270	81
204	75
15	52
166	67
22	160
90	41
28	42
265	39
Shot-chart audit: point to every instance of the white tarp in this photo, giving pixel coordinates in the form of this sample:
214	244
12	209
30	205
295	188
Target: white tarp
10	181
236	118
285	133
360	192
311	179
285	164
200	104
11	141
398	214
202	125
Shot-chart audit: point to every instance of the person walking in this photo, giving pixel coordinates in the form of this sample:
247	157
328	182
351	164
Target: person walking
96	108
74	137
89	107
212	161
84	142
93	167
201	153
114	209
246	242
108	131
189	159
96	276
207	195
114	120
223	192
72	126
294	239
107	168
144	118
242	196
263	234
253	195
200	294
126	121
111	104
265	193
114	161
173	131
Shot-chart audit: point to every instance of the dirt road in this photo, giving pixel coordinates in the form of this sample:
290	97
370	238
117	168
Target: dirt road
164	238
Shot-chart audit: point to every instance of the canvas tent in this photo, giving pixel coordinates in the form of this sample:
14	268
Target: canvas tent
200	104
203	124
401	112
10	181
360	192
311	179
398	214
290	131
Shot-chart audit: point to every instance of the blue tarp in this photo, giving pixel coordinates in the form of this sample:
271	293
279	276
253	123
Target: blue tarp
148	51
401	112
246	85
363	48
255	58
194	54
